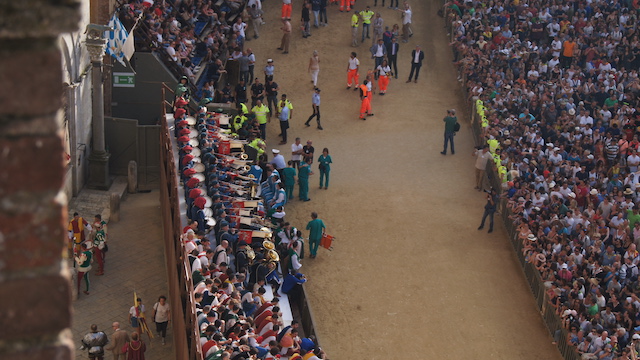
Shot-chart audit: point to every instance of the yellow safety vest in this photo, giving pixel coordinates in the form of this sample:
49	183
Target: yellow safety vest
366	16
354	20
261	113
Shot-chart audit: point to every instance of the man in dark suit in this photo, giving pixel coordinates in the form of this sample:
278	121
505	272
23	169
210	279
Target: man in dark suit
392	55
417	56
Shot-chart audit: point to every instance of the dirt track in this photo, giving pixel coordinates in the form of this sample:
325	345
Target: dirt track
410	276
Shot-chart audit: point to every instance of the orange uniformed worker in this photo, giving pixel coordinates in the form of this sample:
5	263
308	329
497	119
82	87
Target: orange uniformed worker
286	9
365	96
76	229
352	71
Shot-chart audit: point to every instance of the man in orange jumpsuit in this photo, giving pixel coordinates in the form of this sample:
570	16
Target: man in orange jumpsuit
348	4
365	96
76	229
352	71
286	9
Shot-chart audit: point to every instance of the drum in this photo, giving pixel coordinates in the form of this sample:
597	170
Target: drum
210	221
191	120
196	160
199	167
224	147
199	176
193	133
223	119
207	212
194	143
196	152
208	202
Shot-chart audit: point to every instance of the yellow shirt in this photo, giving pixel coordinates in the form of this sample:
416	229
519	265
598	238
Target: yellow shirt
366	16
261	113
354	20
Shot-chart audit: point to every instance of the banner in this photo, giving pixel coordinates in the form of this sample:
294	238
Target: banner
120	43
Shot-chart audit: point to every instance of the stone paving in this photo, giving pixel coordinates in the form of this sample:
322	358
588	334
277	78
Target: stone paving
91	202
135	261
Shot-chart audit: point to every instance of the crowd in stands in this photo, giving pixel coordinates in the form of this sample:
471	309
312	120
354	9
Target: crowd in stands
557	85
196	35
243	255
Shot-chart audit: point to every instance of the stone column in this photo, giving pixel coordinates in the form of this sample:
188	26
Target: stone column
99	158
35	289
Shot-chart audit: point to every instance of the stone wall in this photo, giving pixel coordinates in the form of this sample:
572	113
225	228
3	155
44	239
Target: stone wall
35	296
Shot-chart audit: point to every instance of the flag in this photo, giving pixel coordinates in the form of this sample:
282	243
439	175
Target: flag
120	43
142	321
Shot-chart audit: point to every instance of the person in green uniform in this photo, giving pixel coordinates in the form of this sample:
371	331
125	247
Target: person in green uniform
323	164
289	179
449	130
316	229
303	180
83	259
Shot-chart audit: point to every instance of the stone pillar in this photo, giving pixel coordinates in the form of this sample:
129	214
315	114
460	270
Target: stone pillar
99	158
132	178
35	288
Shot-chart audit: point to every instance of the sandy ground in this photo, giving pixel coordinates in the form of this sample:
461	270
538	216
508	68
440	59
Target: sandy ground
410	277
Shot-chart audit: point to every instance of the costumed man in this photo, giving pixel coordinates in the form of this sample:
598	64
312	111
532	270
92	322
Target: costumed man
83	260
100	246
303	180
365	97
182	89
76	228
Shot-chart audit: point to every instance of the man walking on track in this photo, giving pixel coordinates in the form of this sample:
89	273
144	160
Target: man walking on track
352	71
355	19
286	35
315	104
449	130
366	16
417	56
365	96
489	209
392	55
316	229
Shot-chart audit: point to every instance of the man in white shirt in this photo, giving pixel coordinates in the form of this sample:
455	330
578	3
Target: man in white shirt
296	152
406	22
482	158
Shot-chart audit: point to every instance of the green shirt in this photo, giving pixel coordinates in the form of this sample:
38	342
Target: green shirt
303	172
326	160
315	227
633	218
449	123
288	175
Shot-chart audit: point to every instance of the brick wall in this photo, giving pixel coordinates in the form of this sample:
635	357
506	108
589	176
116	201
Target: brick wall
35	296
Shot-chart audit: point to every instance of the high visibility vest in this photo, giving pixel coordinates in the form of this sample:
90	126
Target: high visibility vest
366	16
354	20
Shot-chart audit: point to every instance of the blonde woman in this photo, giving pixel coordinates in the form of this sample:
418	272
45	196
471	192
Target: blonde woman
314	67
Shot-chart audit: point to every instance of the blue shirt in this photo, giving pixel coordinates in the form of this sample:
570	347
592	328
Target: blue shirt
284	114
315	99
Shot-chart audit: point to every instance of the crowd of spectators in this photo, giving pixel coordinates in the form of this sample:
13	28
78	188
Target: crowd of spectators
238	278
557	83
191	34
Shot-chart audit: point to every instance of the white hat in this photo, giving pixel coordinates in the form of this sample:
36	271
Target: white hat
552	184
564	266
590	157
550	144
572	195
556	149
269	60
275	151
532	237
635	337
593	192
572	111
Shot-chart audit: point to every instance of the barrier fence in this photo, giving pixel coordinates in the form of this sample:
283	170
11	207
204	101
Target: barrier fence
548	312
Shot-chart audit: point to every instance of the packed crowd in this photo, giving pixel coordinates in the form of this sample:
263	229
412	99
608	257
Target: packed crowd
242	253
556	86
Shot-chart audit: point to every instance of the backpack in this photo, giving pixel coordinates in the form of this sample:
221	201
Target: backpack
456	127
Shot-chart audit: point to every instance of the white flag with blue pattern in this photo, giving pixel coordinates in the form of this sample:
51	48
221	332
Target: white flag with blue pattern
119	43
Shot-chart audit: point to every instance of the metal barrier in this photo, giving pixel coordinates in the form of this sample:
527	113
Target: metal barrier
186	334
551	318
